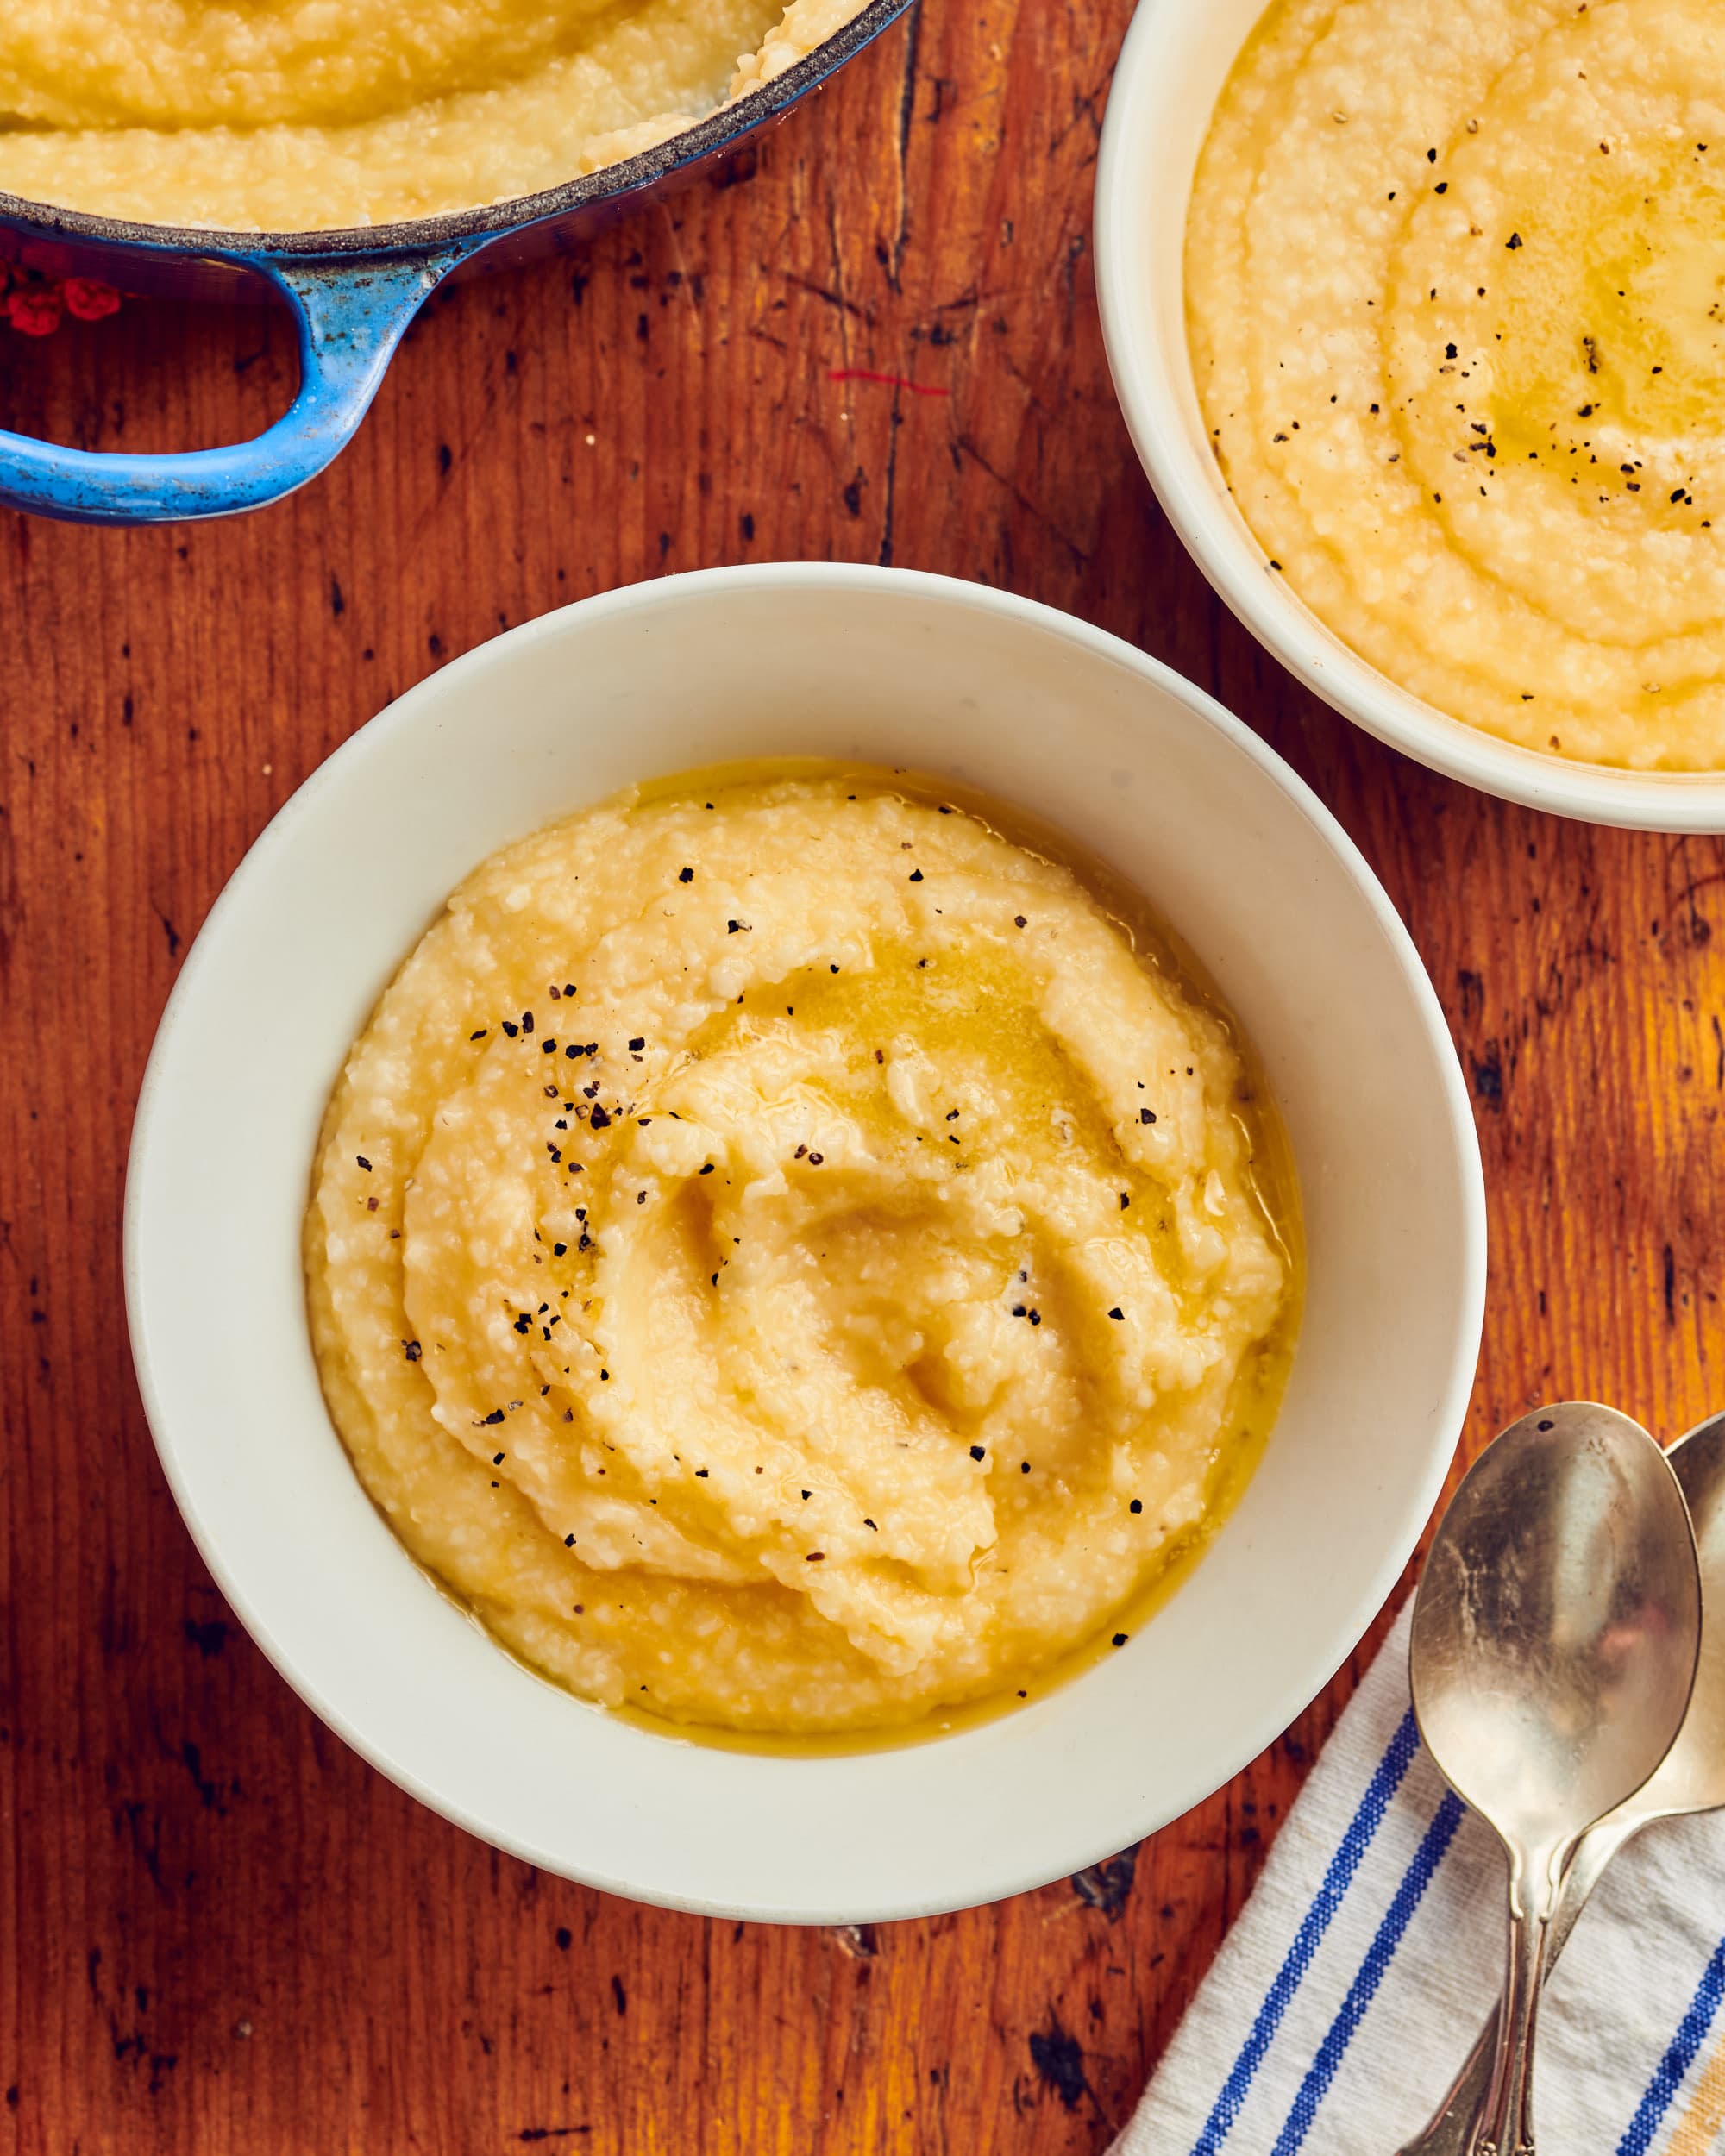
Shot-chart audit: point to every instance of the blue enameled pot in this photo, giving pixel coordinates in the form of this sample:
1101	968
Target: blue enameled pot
354	293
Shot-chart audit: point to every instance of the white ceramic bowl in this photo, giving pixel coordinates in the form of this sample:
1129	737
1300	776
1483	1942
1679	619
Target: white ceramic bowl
1177	56
899	669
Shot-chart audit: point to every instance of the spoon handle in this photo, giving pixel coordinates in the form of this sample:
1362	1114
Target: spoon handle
1449	2132
1507	2128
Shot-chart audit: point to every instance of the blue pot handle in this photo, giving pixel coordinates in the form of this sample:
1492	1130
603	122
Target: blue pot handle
351	318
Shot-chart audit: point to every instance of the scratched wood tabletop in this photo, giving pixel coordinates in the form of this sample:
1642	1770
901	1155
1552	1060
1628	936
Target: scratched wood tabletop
875	338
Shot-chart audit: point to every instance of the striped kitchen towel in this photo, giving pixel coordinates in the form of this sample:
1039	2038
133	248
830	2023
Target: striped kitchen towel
1349	1989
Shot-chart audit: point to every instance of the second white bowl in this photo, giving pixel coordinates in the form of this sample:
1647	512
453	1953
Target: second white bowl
894	670
1171	71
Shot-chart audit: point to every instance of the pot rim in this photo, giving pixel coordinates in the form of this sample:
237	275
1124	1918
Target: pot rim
702	138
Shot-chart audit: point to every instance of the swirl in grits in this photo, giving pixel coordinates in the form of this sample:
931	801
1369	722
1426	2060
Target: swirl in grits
786	1261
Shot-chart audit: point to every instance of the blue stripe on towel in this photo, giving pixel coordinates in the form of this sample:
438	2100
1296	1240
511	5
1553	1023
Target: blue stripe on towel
1329	1899
1680	2056
1434	1846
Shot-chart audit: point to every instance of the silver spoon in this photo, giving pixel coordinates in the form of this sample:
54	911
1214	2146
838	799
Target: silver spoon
1691	1778
1554	1643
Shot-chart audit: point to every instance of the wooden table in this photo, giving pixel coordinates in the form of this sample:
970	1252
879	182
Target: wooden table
876	340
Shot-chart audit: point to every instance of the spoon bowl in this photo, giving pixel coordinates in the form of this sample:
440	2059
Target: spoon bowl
1691	1776
1555	1638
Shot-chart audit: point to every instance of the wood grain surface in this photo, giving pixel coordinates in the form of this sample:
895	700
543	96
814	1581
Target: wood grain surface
218	1930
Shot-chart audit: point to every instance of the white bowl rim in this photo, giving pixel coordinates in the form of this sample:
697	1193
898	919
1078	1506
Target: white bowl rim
1459	1136
1149	381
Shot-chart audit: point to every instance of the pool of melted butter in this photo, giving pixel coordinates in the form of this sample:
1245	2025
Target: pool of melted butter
1618	321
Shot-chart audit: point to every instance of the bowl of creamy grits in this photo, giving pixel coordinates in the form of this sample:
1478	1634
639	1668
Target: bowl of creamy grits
347	161
1415	315
843	1282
